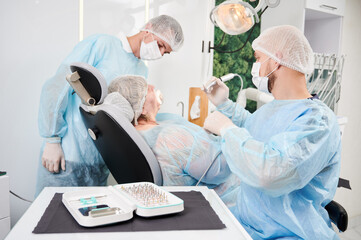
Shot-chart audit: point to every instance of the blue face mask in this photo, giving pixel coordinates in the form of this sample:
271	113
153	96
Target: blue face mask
260	82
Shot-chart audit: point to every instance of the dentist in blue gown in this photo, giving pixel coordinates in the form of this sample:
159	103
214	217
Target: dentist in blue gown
68	156
287	153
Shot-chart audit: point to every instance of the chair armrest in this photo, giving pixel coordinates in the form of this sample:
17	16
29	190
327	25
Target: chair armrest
338	215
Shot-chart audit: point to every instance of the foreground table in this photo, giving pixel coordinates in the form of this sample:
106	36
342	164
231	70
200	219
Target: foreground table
24	227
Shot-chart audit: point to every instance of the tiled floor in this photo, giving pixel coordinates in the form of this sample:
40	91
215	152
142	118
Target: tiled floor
353	231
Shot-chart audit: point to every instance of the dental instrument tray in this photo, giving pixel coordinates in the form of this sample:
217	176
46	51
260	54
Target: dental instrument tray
107	205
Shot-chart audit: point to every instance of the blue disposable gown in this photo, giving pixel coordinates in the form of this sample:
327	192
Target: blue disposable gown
287	155
59	114
185	151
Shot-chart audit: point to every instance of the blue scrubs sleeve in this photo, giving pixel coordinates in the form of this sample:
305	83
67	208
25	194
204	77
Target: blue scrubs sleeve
235	112
288	160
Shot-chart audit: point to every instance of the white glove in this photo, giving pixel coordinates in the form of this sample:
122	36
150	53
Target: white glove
216	121
53	156
217	93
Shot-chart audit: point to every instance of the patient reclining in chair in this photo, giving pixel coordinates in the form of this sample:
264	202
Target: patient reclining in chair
186	153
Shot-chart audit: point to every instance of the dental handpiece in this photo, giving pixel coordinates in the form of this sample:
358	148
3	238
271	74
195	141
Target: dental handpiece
224	78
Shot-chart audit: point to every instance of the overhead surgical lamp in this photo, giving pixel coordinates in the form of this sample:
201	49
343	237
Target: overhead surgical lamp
235	17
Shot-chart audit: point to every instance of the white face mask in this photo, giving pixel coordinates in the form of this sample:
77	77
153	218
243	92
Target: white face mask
260	82
149	51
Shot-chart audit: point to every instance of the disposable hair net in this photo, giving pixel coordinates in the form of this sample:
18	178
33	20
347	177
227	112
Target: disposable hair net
293	47
167	29
134	89
118	102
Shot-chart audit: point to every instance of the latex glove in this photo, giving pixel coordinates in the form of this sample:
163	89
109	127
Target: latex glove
53	156
216	121
218	93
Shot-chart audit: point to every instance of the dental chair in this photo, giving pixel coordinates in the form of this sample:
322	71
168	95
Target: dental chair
124	151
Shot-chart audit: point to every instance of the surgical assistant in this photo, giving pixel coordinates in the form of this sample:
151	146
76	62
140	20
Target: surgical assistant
67	143
287	153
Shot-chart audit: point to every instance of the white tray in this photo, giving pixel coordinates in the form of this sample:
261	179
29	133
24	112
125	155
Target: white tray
95	207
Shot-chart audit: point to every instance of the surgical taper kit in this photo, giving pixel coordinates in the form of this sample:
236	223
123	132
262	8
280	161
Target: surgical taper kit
106	205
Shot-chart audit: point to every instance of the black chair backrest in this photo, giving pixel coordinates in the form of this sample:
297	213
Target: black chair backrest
124	151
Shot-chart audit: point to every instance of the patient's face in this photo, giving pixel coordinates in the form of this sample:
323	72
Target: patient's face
151	105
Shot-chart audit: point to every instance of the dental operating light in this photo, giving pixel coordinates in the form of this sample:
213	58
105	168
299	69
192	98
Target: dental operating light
235	17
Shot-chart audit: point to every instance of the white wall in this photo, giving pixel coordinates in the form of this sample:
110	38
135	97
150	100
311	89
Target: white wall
350	106
35	37
113	16
174	74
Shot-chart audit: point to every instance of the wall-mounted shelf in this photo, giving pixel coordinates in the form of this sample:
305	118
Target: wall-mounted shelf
319	20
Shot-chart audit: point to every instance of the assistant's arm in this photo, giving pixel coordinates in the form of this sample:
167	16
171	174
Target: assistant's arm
235	112
289	160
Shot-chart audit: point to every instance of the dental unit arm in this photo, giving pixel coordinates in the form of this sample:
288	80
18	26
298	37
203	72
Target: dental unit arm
254	95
